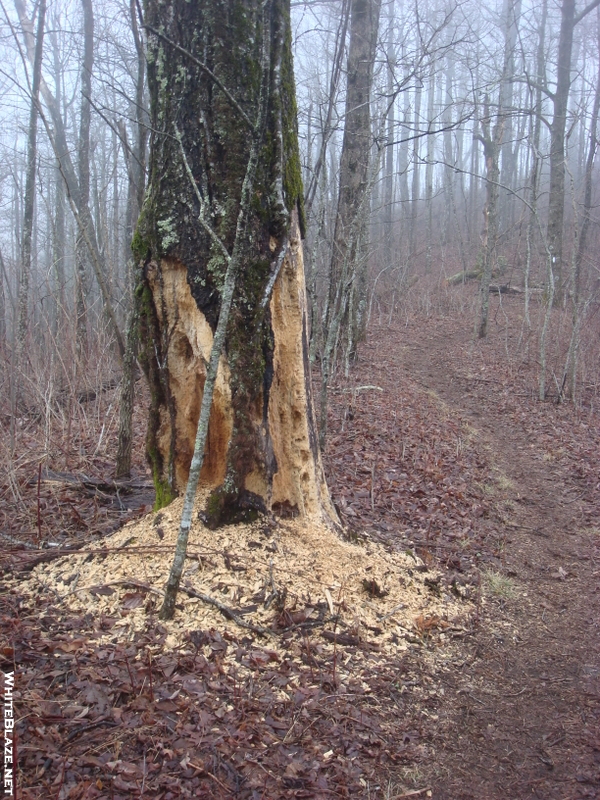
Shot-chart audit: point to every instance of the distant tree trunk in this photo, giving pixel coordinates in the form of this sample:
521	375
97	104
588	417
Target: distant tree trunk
535	129
429	171
58	247
415	187
224	189
388	164
136	163
474	183
59	218
2	306
587	186
29	201
511	14
452	229
353	200
558	128
556	207
491	149
347	275
578	304
83	162
448	149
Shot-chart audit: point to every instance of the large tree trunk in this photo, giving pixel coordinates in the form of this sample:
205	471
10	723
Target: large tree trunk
207	89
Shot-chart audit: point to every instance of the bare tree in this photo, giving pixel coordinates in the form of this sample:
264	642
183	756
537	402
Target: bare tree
77	201
558	128
29	199
347	276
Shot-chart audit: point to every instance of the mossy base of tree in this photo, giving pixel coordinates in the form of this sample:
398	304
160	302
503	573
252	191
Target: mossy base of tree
231	508
164	494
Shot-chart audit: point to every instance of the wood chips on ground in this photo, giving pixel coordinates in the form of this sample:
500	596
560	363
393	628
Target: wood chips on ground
278	575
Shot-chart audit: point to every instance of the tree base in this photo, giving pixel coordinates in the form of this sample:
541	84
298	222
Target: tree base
231	508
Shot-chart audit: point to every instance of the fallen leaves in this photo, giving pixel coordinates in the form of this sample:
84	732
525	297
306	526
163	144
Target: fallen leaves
141	721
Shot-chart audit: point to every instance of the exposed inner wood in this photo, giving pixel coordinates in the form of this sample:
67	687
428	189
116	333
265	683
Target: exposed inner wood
189	344
289	438
299	478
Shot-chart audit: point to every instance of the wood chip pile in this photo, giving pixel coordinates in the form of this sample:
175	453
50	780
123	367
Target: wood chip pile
270	579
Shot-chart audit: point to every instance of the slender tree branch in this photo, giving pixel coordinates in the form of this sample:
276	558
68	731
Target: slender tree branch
233	265
586	11
201	220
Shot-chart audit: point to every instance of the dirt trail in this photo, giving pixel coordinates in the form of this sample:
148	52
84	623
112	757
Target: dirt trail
522	717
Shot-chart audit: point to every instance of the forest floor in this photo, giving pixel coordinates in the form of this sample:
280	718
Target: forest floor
521	718
437	450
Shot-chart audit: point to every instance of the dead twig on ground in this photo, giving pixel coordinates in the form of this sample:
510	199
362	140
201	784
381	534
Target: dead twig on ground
227	612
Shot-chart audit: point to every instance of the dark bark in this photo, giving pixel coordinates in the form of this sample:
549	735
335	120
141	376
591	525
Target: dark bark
136	162
206	86
126	399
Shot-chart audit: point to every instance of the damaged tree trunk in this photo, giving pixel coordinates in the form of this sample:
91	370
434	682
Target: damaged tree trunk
222	98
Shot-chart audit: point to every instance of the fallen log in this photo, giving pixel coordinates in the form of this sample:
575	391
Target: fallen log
504	288
463	277
85	482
